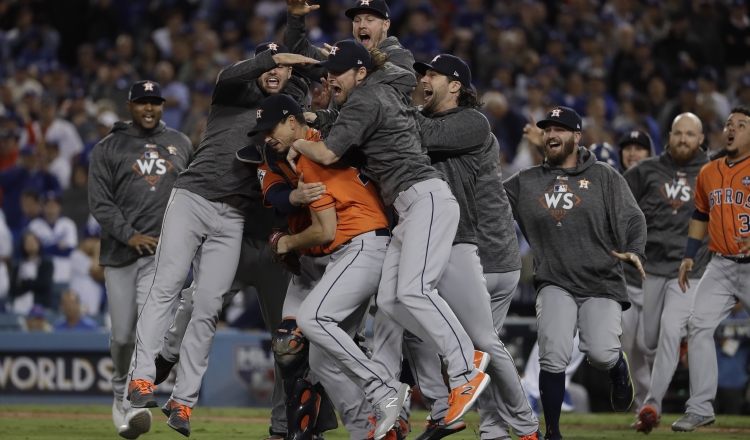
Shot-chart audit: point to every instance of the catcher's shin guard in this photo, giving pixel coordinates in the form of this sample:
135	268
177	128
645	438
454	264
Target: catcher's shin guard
302	411
326	413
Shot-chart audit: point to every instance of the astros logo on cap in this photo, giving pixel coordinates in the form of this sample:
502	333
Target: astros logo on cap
274	47
259	113
335	49
635	134
434	59
365	3
148	86
556	113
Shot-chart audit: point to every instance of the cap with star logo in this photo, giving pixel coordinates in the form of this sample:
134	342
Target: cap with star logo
145	89
275	47
563	117
448	65
273	110
347	54
377	7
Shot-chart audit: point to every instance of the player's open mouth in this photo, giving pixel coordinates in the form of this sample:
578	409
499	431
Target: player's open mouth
336	90
273	83
148	118
427	95
553	145
364	38
730	139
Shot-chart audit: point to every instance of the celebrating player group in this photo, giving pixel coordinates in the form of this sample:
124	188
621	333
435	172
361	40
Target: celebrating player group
349	201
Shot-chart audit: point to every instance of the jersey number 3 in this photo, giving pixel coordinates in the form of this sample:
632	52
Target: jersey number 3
745	219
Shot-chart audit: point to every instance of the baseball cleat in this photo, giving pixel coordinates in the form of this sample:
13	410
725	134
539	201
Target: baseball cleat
622	392
535	436
118	413
481	360
141	394
179	416
387	411
435	430
463	397
690	421
137	422
648	419
275	435
403	428
163	368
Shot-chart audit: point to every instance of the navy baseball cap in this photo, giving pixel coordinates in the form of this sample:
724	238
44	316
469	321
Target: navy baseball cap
604	152
689	86
448	65
275	47
636	137
347	54
376	7
562	116
273	110
145	89
37	312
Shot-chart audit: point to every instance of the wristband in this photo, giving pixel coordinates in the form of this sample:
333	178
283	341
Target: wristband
693	245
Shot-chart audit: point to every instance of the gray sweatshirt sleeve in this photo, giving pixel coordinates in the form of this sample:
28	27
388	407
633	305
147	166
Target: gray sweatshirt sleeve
512	187
634	179
295	38
627	219
359	118
101	201
231	84
459	133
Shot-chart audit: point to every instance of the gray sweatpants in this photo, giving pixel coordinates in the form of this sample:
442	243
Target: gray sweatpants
335	309
208	234
416	259
673	326
127	288
270	281
639	356
464	288
560	315
723	285
346	393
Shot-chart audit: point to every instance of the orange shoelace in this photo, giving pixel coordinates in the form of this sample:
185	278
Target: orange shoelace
530	437
184	411
144	386
371	434
452	397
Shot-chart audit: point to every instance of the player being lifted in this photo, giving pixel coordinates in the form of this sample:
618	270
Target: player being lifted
722	210
581	222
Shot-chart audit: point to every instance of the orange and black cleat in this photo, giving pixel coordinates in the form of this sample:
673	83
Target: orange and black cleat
141	394
179	416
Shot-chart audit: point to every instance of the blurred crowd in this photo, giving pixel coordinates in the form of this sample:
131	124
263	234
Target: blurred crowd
66	67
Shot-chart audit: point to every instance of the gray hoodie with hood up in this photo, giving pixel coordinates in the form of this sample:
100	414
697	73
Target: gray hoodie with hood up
378	119
130	178
665	192
572	219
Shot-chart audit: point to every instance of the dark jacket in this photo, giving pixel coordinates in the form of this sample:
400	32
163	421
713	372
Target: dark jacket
665	192
572	219
130	179
41	285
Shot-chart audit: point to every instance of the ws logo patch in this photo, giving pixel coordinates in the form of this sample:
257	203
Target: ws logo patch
559	200
151	165
677	191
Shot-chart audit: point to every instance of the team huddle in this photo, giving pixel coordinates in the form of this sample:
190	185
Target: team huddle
367	205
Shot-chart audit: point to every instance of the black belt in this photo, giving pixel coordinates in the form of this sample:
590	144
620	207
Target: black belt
385	232
738	260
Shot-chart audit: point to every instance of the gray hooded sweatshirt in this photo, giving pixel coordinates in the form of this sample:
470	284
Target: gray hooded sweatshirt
378	119
572	219
130	178
295	38
216	173
665	192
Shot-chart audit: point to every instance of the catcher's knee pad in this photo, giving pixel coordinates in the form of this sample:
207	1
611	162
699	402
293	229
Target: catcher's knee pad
302	410
291	351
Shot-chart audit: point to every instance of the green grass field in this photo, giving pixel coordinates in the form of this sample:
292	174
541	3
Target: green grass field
38	422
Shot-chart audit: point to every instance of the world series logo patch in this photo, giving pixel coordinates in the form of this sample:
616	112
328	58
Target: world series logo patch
746	181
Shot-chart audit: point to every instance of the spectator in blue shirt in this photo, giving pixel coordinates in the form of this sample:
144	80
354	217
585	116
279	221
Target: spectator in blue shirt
176	94
14	181
74	320
733	357
421	39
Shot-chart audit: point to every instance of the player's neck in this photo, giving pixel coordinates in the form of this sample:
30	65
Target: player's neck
740	157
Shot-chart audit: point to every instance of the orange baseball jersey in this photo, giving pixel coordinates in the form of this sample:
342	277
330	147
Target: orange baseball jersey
723	192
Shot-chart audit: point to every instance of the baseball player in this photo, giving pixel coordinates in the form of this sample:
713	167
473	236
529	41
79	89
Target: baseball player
130	176
370	24
664	186
722	210
377	119
321	233
581	222
203	225
457	138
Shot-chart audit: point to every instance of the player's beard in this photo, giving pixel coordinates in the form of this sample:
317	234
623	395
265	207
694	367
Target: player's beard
568	148
682	156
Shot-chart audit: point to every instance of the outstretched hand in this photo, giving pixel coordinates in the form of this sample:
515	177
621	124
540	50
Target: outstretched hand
532	133
293	59
685	268
633	259
300	8
321	97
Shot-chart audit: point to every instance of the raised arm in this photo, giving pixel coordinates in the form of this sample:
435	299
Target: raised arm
295	37
458	133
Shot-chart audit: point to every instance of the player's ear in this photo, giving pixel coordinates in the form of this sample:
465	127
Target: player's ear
702	138
454	86
577	136
386	25
289	72
361	74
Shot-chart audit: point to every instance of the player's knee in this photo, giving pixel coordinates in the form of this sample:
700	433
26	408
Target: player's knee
290	349
122	339
553	362
386	303
602	357
306	320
